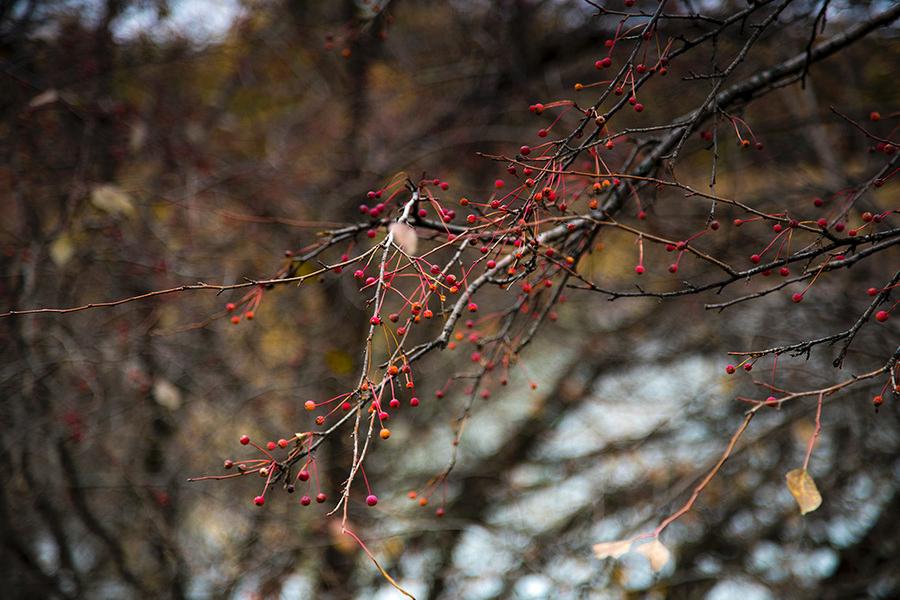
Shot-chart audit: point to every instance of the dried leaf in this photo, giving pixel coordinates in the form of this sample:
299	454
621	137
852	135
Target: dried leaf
612	549
166	394
658	554
804	490
405	237
43	98
62	250
110	198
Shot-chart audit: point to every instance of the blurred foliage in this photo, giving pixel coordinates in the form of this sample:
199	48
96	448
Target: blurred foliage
144	161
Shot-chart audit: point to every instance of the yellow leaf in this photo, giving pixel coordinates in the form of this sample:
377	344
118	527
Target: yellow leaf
804	490
111	199
612	549
62	250
656	552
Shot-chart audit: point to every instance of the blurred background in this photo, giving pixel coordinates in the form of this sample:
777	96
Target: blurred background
151	143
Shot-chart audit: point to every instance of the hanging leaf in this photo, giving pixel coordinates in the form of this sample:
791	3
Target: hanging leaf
612	549
804	490
48	97
405	237
656	552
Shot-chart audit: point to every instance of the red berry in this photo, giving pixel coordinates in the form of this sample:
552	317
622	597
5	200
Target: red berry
439	512
235	320
881	316
730	369
305	500
872	291
303	475
245	440
638	107
271	445
525	150
259	501
320	497
639	269
755	259
673	268
499	183
878	400
414	401
784	271
371	499
230	307
797	297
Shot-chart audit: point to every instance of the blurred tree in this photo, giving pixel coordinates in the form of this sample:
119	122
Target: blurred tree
741	154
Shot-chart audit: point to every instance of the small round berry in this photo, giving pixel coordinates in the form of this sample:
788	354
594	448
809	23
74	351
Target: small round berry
282	443
673	268
228	463
755	259
376	320
259	501
784	271
525	150
730	369
271	445
309	405
439	512
872	291
413	401
639	269
385	433
303	475
230	307
878	400
305	500
371	499
473	307
748	367
771	401
290	488
638	107
320	497
874	116
881	316
249	315
797	298
499	183
245	439
714	225
235	320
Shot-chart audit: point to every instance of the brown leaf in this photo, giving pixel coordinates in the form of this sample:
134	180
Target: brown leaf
612	549
658	554
804	490
405	237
